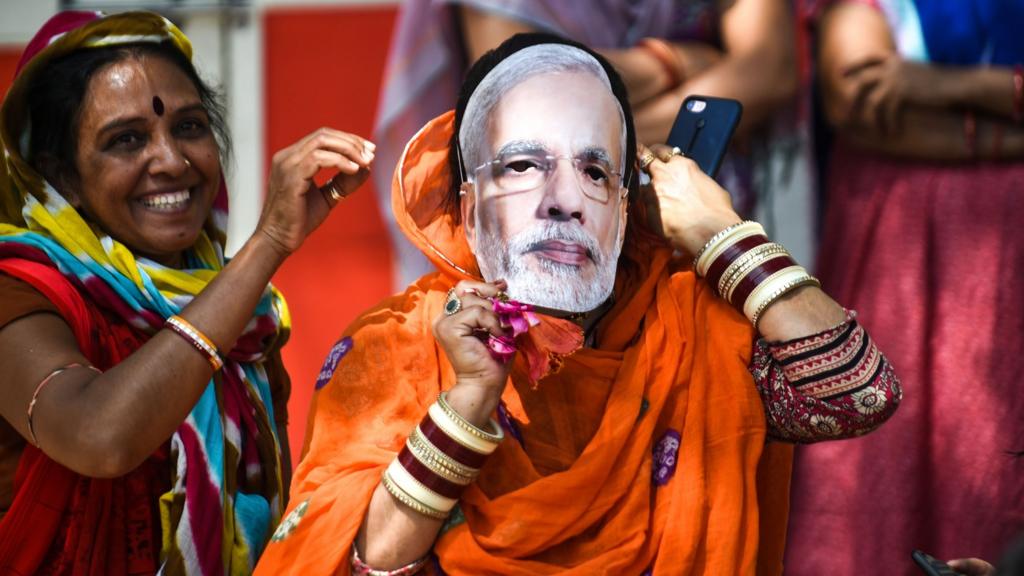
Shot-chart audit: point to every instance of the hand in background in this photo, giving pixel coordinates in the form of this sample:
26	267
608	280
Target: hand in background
972	567
883	86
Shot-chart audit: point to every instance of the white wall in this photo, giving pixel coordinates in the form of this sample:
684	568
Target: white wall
21	19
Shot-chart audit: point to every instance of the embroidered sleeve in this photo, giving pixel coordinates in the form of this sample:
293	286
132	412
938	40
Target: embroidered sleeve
831	385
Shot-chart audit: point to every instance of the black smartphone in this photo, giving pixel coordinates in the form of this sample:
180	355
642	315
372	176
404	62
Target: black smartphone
703	128
932	566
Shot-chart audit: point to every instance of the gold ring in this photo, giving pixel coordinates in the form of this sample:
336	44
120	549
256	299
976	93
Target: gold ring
452	304
646	159
333	190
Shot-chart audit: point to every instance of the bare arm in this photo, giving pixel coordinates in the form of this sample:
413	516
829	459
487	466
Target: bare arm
392	535
644	75
483	31
879	102
105	425
758	68
688	208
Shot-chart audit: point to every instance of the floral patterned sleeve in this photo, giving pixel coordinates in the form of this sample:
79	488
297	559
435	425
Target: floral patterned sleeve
831	385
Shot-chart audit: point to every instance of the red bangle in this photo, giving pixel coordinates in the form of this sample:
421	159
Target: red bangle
729	255
748	283
1018	93
662	52
436	436
426	476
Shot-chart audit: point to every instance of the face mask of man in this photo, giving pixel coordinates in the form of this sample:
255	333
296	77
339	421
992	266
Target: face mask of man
548	209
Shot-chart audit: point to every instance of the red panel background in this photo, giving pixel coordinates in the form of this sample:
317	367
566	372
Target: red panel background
323	68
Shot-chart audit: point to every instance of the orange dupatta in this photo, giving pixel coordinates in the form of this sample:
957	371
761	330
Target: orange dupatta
673	359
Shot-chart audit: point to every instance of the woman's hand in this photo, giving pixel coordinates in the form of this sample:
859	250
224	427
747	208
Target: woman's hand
683	204
972	567
480	378
295	205
883	86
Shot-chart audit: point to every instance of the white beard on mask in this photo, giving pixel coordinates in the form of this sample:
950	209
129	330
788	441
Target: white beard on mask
556	285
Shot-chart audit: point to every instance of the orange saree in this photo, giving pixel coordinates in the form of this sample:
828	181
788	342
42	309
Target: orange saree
643	454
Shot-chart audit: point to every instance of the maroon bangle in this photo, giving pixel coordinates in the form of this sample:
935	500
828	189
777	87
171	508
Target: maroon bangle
1018	93
730	255
758	275
445	443
426	476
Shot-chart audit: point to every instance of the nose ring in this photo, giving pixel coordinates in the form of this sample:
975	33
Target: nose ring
187	163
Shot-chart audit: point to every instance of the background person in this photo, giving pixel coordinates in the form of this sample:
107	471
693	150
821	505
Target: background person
144	399
922	237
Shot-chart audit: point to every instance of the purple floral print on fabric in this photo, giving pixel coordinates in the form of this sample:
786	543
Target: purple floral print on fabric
331	362
666	454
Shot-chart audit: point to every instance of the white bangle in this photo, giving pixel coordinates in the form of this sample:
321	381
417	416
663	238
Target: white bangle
723	240
768	287
457	433
396	491
414	488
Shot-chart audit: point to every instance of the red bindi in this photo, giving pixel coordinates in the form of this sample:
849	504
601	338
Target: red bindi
158	106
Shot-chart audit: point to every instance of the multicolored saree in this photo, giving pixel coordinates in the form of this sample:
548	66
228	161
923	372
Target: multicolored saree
221	490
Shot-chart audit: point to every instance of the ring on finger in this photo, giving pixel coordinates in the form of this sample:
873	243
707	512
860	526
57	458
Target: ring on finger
646	159
333	191
452	304
666	154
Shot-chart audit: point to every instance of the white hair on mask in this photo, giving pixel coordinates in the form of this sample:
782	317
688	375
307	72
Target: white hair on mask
509	73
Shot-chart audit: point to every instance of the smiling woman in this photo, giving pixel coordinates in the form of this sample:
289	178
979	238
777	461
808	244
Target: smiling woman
144	395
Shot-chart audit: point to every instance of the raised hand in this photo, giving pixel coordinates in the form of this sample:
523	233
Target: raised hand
683	204
295	205
480	378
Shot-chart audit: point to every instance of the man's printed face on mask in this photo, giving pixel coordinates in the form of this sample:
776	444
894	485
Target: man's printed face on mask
547	214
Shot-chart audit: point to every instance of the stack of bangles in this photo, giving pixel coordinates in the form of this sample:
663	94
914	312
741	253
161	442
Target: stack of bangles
748	270
440	458
197	339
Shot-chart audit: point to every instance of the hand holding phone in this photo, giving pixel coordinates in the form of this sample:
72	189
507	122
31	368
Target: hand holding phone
931	565
703	128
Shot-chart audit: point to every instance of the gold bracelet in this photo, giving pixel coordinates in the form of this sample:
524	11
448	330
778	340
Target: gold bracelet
197	339
745	264
492	438
409	501
438	462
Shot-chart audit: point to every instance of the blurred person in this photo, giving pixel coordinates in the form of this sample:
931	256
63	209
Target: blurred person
922	237
144	401
665	50
634	403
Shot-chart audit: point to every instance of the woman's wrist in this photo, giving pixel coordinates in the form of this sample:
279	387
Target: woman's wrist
695	237
264	246
474	401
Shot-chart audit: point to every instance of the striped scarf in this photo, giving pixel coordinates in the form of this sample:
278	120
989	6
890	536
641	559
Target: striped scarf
226	490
